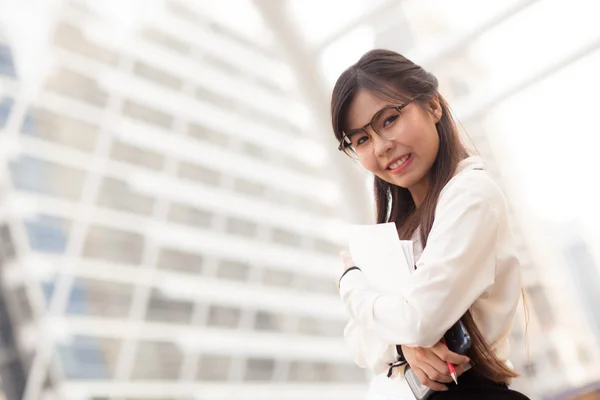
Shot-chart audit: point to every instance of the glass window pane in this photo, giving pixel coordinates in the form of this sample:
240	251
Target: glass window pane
259	369
39	176
198	173
87	357
286	238
99	298
268	321
147	114
77	86
320	327
186	215
237	226
7	65
178	260
168	42
276	277
131	154
157	360
5	107
156	75
222	316
70	37
213	367
249	188
48	234
233	270
60	129
113	245
204	134
164	309
118	195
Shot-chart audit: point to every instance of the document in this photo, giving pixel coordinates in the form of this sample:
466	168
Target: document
386	261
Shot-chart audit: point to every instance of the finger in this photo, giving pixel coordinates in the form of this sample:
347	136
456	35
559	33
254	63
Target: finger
346	259
430	356
424	379
460	369
436	375
442	351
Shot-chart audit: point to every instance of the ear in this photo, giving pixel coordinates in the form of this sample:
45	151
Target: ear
435	108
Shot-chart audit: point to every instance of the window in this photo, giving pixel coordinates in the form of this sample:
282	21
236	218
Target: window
542	307
237	226
320	327
223	316
88	357
48	234
212	97
147	114
70	37
99	298
198	173
267	321
156	75
259	369
327	247
178	260
77	86
233	270
204	134
113	245
167	41
164	309
213	367
222	65
254	150
118	195
244	186
39	176
157	360
7	247
131	154
286	238
186	215
5	107
304	371
7	65
276	277
315	284
60	129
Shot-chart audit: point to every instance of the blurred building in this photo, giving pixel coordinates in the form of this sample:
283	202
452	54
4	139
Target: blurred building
167	229
170	214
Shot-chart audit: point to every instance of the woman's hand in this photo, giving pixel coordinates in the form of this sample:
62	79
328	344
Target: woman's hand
429	364
346	260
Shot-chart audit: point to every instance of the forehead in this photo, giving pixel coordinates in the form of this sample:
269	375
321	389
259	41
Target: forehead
364	105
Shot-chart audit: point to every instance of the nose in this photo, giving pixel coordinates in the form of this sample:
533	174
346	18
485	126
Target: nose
381	145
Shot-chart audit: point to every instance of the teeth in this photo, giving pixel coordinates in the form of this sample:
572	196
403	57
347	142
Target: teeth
399	162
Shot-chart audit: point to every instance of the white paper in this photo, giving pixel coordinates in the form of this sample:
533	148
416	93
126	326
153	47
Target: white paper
386	261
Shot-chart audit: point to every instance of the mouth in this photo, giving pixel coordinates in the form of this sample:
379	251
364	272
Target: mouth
399	163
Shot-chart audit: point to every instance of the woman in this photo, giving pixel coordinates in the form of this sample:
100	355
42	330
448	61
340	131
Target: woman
388	114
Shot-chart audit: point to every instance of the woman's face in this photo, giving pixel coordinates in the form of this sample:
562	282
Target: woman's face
409	149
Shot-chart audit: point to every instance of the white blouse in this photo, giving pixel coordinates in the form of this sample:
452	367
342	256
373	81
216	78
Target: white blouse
469	262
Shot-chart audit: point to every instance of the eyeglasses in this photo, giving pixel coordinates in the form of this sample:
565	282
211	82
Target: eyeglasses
358	143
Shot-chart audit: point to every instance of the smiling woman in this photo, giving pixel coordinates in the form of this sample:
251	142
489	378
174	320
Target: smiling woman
388	114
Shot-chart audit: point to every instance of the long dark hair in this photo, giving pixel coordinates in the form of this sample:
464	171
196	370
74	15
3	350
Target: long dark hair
393	77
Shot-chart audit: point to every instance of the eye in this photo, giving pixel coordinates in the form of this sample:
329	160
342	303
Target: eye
390	120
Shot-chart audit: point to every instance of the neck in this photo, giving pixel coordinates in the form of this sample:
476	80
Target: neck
419	190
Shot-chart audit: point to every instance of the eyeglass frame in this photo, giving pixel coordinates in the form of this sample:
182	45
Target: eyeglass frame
345	141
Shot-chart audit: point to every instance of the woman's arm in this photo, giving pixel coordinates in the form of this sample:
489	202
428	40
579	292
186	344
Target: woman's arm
456	267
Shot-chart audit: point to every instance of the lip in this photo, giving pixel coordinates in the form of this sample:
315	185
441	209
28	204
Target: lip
396	159
401	168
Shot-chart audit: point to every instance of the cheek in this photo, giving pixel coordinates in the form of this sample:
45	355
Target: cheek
370	165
